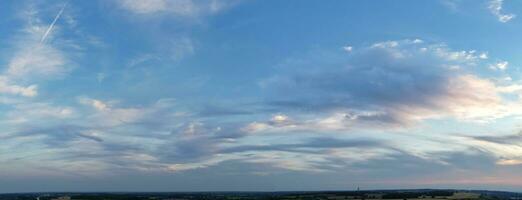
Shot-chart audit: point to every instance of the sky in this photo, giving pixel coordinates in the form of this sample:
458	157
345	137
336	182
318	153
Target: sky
260	95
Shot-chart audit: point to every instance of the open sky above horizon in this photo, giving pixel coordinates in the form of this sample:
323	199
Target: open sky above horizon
260	95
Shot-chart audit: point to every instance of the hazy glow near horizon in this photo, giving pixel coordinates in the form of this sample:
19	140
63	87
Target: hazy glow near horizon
193	95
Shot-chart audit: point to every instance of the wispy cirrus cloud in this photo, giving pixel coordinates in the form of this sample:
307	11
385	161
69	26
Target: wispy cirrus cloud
180	8
495	7
32	59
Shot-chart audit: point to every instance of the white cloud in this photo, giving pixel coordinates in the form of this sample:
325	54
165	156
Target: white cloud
418	41
95	103
386	44
502	65
37	62
26	114
510	88
348	48
181	8
279	118
483	55
33	60
507	149
99	105
109	113
29	91
495	7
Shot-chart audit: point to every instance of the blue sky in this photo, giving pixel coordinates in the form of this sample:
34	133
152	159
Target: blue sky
198	95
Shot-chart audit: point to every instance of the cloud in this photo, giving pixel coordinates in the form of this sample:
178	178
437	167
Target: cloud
180	8
312	144
502	65
35	112
313	154
183	7
95	103
5	87
507	149
392	82
105	135
213	110
173	44
33	60
453	5
107	113
495	7
37	61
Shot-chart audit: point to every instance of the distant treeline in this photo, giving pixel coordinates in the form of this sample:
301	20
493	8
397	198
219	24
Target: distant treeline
410	195
368	195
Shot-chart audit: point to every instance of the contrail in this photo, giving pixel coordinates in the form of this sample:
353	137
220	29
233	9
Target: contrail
52	24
